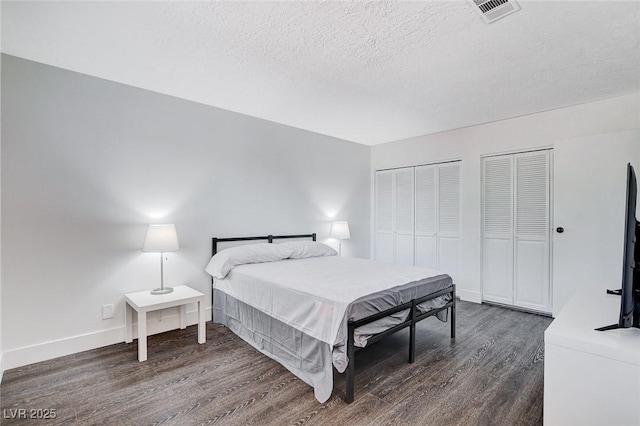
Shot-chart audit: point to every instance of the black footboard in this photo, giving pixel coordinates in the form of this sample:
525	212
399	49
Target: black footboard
414	317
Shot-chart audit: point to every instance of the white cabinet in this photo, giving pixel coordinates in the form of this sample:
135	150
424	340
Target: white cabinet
516	230
417	216
591	377
395	215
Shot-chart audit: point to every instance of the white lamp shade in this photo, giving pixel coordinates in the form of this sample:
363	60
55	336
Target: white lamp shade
340	230
161	239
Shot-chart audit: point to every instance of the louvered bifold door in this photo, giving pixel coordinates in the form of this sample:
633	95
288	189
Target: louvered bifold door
426	255
448	234
404	216
531	289
497	228
384	216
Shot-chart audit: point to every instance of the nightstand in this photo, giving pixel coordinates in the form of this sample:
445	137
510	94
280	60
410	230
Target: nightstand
143	302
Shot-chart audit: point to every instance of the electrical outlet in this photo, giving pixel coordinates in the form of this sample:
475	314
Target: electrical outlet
107	311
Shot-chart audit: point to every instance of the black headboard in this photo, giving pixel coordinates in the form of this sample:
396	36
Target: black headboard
269	238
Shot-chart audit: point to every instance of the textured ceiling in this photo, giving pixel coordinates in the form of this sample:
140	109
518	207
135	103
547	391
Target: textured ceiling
369	72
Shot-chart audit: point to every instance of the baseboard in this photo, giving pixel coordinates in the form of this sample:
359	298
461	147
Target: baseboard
56	348
469	296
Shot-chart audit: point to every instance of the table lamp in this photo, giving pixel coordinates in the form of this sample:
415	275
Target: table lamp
161	239
340	231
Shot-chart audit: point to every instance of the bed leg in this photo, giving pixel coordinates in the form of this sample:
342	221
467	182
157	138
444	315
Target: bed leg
453	314
412	333
351	367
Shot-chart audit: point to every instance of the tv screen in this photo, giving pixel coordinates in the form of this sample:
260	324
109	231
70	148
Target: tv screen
630	291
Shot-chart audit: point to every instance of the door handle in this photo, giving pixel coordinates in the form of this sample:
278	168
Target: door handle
559	229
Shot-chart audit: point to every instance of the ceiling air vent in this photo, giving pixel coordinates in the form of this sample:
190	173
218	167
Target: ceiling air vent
492	10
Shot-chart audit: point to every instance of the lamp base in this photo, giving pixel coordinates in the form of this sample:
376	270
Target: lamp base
165	290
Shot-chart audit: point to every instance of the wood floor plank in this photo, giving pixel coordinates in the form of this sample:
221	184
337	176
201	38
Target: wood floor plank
448	358
452	395
364	411
145	410
233	407
317	414
492	373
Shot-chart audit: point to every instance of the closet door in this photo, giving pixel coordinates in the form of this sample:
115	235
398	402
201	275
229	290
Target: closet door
395	216
403	218
532	248
516	228
497	227
426	252
449	218
384	216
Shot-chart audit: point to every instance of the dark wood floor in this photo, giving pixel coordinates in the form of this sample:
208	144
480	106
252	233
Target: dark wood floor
490	374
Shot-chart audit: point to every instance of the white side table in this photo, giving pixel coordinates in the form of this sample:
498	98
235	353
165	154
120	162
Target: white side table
144	301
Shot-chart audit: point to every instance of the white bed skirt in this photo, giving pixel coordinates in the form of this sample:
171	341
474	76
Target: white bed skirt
309	359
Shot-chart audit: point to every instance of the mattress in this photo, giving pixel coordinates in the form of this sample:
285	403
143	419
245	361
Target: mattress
296	310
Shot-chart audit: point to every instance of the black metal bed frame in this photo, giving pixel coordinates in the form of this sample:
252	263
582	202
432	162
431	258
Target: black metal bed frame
415	315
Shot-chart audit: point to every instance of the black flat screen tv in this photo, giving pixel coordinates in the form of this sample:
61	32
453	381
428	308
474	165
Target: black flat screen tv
630	291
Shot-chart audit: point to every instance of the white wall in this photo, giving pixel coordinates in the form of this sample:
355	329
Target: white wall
590	183
88	163
563	129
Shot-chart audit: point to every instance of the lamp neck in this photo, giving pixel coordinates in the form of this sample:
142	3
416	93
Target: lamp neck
161	270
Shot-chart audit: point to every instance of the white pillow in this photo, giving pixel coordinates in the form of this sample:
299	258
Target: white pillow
225	260
304	249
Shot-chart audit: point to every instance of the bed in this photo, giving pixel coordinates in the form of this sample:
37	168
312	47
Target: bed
307	308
